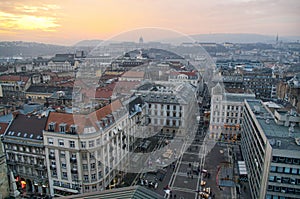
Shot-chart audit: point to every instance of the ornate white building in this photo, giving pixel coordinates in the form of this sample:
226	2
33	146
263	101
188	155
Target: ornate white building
86	153
226	113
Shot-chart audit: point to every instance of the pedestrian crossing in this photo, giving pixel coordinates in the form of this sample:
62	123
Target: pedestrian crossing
184	189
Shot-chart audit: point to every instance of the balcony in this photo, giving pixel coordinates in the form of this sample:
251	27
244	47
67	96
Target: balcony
73	160
53	167
74	170
51	156
11	162
40	167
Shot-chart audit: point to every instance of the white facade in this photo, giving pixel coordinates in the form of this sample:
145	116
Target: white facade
226	113
185	77
62	66
90	158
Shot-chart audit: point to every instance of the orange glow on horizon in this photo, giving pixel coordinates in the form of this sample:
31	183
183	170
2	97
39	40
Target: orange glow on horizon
69	21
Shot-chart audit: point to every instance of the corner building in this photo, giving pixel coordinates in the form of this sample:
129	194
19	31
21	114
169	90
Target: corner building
227	113
86	153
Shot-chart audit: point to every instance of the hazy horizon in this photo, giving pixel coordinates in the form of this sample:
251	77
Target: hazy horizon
272	39
68	22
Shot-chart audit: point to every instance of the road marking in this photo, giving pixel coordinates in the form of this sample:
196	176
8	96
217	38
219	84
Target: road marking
184	189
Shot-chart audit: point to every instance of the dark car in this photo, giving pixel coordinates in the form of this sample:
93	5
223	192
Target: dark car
161	173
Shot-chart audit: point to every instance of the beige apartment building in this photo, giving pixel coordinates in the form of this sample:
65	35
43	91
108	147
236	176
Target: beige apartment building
87	153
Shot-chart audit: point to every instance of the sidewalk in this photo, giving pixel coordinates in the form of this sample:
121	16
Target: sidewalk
214	160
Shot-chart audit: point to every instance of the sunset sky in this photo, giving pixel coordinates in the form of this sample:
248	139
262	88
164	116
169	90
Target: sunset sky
69	21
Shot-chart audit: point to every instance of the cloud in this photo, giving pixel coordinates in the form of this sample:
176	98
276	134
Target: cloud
24	15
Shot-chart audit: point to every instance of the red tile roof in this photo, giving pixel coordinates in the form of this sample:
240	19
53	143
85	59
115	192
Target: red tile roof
14	78
3	127
66	84
108	109
81	121
105	92
188	73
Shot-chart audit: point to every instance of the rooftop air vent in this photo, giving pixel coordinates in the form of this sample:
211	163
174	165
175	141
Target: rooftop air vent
267	121
256	110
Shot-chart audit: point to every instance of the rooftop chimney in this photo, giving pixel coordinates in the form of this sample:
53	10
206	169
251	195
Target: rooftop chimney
15	114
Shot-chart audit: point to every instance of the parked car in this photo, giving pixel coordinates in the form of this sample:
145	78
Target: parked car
161	173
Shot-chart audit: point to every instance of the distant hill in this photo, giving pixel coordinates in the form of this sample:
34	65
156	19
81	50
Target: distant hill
234	38
30	49
33	49
88	43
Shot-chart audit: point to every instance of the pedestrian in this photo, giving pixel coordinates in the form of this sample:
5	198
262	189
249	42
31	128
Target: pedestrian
174	196
192	176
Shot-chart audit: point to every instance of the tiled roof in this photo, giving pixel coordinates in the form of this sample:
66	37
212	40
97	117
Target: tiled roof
27	127
66	84
134	74
190	74
187	73
60	118
61	79
81	121
3	127
14	78
105	92
108	109
63	58
48	89
109	76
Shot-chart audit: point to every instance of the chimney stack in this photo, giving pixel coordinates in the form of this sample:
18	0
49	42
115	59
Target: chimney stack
15	114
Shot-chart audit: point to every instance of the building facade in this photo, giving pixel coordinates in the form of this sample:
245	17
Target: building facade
63	63
191	77
14	85
87	153
25	154
4	183
226	113
270	147
169	107
290	91
261	82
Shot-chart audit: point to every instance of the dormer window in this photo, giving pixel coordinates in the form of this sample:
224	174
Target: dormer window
105	122
73	129
62	127
100	125
51	126
110	118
